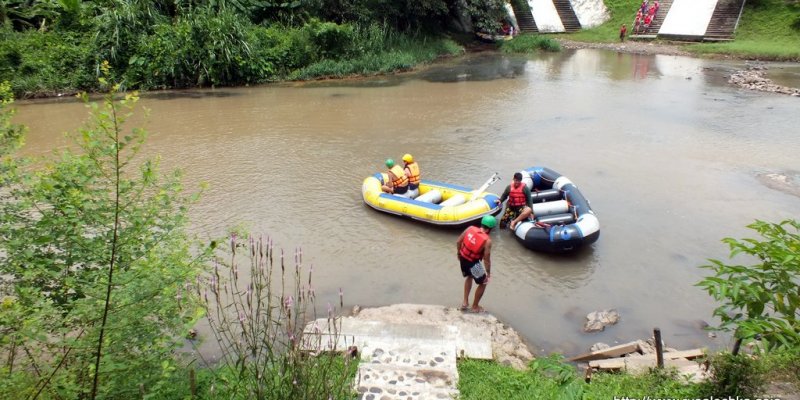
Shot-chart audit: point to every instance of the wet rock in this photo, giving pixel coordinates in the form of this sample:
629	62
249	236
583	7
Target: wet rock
646	347
598	320
598	346
754	78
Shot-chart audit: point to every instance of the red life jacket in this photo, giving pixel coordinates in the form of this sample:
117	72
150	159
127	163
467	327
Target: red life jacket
516	196
472	245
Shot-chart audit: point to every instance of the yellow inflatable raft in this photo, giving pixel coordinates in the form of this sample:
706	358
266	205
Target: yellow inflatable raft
438	203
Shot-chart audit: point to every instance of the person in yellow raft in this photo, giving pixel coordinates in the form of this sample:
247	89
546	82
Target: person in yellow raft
412	172
397	183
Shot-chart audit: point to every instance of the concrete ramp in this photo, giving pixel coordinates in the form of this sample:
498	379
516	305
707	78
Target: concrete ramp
688	18
546	16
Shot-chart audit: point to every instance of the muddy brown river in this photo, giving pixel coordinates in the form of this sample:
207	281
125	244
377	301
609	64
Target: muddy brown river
672	158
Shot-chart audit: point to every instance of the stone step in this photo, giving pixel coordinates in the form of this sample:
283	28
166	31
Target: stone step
410	356
413	370
466	342
411	379
376	393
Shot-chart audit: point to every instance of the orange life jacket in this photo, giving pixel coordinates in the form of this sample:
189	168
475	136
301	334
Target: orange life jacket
516	196
400	179
472	245
413	180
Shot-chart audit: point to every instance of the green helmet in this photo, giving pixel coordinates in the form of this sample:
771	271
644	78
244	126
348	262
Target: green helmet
389	163
489	221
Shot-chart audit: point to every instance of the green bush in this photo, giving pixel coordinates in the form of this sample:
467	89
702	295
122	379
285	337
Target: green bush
332	40
734	375
202	49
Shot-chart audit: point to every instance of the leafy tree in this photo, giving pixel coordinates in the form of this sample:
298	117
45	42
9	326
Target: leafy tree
761	300
94	245
10	134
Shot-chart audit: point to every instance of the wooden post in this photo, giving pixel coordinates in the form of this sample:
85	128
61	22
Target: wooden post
659	348
192	383
141	390
736	346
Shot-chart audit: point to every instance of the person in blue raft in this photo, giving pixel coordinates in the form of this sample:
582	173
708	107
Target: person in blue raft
519	207
475	245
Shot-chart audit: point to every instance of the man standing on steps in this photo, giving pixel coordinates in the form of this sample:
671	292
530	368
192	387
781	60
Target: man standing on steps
473	246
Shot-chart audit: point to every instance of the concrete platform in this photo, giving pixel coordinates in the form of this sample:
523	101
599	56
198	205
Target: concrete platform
401	361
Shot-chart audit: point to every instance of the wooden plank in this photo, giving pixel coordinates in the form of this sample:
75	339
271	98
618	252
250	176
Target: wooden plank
620	362
610	352
635	365
674	355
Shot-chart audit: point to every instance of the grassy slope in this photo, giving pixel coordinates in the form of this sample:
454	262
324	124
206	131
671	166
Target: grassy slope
765	31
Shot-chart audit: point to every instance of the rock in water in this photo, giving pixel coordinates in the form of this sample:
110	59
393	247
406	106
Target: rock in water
598	320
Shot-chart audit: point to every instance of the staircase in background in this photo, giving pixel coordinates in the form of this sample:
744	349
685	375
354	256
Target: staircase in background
724	20
663	9
524	17
567	15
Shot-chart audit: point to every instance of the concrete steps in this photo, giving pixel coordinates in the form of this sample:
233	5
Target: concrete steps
388	371
658	20
524	17
401	361
724	20
567	15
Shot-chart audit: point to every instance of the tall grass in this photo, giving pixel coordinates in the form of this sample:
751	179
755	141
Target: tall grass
528	43
381	51
257	311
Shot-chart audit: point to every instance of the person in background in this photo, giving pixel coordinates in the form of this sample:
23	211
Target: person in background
637	23
475	245
622	31
519	206
412	172
397	183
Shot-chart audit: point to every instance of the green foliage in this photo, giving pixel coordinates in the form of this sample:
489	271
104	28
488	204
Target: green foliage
26	14
486	15
552	378
64	228
10	134
654	383
205	48
402	53
734	375
44	62
762	299
529	43
547	378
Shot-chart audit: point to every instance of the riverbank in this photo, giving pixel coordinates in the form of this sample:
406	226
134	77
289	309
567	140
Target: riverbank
628	46
513	372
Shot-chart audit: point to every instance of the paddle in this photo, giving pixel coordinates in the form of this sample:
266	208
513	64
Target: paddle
477	192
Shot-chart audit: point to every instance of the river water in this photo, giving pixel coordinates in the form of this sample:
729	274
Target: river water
672	158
